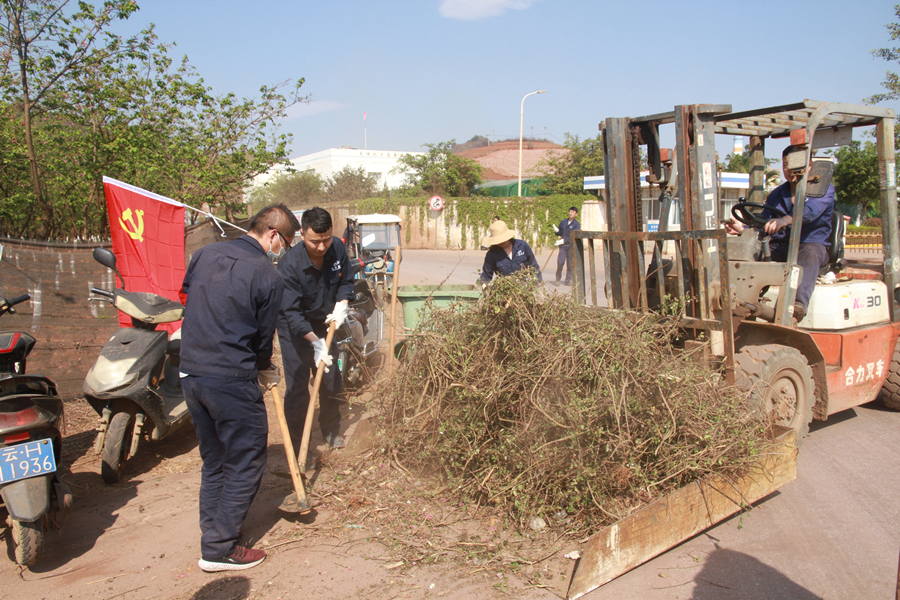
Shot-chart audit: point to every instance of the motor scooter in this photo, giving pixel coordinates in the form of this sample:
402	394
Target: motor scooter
134	385
355	344
31	419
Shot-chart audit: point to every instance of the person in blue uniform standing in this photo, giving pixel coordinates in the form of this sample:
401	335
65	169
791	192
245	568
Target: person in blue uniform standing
232	297
814	233
505	254
565	253
318	283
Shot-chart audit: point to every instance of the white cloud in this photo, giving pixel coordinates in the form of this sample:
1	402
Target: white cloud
474	10
315	107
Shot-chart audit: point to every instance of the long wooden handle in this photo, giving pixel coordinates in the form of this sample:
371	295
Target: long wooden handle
288	446
314	397
547	262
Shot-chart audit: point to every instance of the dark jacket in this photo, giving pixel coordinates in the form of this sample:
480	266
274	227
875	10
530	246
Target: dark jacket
233	298
817	214
310	294
565	227
497	261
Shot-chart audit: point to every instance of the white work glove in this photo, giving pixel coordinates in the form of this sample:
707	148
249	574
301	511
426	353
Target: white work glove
560	242
555	228
339	314
270	377
320	354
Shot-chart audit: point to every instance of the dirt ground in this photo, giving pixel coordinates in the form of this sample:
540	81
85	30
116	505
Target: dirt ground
381	534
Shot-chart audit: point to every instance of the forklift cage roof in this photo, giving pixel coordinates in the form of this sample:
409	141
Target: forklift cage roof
779	121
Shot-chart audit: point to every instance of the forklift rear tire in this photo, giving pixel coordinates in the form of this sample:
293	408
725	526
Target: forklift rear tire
780	382
890	391
116	447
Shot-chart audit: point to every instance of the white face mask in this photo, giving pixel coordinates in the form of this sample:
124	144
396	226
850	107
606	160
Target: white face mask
272	256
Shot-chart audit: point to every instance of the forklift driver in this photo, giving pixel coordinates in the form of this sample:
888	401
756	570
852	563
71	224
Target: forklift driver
813	252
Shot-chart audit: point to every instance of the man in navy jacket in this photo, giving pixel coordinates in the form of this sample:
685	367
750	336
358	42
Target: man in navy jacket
565	252
814	232
505	254
318	283
233	295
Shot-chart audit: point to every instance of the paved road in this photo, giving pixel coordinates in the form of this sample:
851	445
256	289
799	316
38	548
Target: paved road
834	533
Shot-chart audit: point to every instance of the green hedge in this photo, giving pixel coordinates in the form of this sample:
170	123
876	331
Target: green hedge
533	217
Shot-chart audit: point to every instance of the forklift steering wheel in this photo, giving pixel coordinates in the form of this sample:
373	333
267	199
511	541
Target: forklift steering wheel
739	211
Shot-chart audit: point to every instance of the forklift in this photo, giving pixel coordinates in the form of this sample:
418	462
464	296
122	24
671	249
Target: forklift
734	306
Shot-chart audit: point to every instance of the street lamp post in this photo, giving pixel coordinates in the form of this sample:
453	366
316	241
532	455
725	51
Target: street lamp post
521	119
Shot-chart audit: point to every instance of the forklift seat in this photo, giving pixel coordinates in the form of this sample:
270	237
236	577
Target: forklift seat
836	239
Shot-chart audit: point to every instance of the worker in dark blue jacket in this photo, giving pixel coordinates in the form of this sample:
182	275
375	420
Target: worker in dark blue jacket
233	296
814	232
505	254
565	252
318	284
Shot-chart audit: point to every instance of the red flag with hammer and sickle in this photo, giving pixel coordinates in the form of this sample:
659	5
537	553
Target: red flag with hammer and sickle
148	241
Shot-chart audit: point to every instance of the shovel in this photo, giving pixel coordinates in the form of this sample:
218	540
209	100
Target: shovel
313	399
296	502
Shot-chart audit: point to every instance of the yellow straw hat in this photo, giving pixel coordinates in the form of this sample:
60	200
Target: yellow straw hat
499	234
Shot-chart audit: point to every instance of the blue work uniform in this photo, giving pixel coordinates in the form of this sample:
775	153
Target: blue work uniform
814	233
233	298
309	297
565	254
498	261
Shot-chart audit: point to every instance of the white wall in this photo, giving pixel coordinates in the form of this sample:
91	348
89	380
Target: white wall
328	162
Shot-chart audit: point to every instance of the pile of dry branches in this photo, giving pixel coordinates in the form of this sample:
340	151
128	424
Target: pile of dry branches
543	407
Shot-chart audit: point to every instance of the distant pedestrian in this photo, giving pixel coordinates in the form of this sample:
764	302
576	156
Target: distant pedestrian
565	252
233	297
505	254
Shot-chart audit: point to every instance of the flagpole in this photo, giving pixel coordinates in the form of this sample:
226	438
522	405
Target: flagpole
365	133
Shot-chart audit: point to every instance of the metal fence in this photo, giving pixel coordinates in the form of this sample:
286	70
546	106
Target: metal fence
863	242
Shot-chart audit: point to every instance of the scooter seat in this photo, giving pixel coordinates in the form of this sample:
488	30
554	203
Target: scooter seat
359	316
174	345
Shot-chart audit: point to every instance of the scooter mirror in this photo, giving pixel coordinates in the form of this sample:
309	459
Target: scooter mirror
105	257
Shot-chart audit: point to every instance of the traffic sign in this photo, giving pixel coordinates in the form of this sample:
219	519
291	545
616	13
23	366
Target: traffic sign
436	203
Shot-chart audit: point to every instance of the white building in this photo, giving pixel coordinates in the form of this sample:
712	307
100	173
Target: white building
328	162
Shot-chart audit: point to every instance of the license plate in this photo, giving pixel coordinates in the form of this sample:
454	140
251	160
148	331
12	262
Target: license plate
26	460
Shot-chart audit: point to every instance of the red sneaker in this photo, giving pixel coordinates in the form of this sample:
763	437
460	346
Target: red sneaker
240	558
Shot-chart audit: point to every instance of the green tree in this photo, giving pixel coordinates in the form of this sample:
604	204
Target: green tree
42	45
295	190
136	116
891	81
856	177
350	184
564	173
438	171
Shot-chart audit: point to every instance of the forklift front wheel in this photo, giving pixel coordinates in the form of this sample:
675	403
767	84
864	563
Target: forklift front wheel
780	382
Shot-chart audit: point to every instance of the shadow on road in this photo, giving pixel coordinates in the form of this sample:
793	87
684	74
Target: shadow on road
232	586
730	575
78	534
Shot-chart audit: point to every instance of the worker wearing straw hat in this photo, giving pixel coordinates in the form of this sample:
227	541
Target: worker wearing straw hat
505	254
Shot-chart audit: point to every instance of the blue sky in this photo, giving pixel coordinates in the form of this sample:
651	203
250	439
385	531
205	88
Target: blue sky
427	71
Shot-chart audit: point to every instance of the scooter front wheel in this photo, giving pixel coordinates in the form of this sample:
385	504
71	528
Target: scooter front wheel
116	447
29	541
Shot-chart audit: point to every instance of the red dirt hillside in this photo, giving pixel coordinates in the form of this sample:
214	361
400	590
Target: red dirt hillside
501	159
